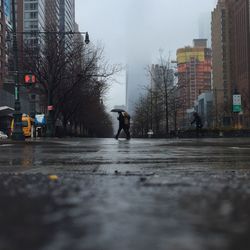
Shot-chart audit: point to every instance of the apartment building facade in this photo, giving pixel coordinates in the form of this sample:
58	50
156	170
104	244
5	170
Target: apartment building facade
222	83
52	8
231	59
240	37
35	18
67	15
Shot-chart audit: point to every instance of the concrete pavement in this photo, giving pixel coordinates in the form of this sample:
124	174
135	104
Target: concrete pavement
139	194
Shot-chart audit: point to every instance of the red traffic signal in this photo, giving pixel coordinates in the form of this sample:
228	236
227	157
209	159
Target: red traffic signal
29	78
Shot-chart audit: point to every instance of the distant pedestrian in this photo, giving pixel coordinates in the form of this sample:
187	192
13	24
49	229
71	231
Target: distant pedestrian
198	122
124	123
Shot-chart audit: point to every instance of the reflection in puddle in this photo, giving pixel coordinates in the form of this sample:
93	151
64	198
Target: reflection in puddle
21	156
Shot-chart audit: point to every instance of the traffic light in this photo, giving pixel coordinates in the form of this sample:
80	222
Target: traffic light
29	79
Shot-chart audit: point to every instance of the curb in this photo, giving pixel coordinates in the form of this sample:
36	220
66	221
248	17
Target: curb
28	142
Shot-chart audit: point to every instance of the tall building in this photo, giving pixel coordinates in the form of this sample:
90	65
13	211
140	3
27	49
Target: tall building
136	83
194	72
52	8
222	85
231	60
204	26
7	57
4	15
240	51
33	20
30	21
67	15
67	21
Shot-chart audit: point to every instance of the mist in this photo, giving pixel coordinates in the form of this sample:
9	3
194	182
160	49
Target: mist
133	31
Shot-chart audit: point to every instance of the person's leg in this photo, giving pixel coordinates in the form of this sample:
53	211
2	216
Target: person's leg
118	132
126	130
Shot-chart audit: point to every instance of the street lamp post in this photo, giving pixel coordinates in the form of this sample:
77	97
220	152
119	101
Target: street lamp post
17	133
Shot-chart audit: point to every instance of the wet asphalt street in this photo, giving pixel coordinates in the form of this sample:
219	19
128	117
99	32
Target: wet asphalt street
142	194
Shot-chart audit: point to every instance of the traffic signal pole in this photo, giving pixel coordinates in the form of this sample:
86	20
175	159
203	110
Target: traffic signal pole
17	133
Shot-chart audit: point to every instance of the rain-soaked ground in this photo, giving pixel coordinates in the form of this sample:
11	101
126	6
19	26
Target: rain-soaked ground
103	194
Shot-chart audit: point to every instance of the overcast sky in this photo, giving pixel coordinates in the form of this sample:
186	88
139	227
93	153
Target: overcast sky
140	28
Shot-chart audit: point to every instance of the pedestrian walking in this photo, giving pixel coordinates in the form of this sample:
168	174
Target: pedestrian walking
124	123
198	122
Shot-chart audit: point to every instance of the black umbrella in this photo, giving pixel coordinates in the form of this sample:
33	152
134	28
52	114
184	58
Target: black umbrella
117	110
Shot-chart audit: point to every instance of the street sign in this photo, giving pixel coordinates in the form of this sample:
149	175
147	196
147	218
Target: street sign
40	119
50	107
237	103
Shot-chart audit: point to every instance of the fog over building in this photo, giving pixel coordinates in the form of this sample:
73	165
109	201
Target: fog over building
119	24
204	27
136	82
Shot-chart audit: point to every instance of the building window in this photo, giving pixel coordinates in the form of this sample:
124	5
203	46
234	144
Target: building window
31	6
30	25
30	15
33	15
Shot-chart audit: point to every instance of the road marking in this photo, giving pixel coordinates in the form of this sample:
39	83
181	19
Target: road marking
238	148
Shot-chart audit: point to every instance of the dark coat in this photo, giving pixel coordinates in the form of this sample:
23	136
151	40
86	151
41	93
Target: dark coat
120	118
124	120
197	120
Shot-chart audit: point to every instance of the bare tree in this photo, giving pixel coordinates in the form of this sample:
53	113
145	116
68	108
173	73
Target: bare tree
162	86
141	118
157	109
69	74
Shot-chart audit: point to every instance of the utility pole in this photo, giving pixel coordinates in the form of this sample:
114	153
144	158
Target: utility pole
17	133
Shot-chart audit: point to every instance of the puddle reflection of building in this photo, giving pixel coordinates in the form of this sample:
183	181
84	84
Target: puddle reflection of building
23	157
27	157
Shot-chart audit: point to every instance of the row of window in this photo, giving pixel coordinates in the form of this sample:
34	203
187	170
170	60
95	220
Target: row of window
31	6
31	15
31	25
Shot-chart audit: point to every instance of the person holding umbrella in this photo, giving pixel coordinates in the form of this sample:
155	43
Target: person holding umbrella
124	123
198	122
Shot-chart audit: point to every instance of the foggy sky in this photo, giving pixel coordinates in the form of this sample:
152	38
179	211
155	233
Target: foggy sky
136	29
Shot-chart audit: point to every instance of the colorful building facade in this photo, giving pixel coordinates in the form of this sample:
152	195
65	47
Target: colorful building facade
194	74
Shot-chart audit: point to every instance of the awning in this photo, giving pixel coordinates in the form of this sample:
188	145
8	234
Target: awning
6	110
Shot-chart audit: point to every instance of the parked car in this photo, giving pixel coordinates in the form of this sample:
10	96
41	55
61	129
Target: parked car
3	135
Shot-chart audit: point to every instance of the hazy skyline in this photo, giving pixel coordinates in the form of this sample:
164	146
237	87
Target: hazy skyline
139	28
